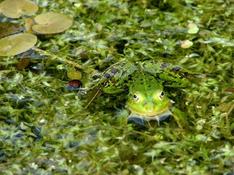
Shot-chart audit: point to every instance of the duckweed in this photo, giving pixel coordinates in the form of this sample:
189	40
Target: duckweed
45	129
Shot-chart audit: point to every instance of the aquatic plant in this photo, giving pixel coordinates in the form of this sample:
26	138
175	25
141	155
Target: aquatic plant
46	130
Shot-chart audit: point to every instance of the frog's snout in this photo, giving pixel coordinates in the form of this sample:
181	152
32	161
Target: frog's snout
149	106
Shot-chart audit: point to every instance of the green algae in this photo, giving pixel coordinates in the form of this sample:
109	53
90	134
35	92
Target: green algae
46	130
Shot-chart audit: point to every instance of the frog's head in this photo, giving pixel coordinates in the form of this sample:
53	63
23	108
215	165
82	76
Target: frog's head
146	96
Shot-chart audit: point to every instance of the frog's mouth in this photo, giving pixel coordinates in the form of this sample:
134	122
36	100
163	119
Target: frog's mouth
150	111
158	117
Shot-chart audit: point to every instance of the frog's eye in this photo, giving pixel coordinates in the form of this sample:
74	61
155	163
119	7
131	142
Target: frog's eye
135	97
161	95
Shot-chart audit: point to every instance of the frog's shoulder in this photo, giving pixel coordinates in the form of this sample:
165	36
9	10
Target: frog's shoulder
170	74
141	78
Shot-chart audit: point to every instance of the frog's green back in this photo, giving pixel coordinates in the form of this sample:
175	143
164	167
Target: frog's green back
144	82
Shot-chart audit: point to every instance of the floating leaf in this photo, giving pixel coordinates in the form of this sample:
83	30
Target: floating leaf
16	44
192	28
51	23
186	44
17	8
74	74
9	29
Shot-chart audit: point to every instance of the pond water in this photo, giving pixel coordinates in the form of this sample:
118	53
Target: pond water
46	128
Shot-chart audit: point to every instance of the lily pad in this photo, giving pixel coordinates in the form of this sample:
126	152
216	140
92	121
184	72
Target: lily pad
51	23
16	44
17	8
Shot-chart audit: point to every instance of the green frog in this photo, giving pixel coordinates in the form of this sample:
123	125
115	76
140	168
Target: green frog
146	98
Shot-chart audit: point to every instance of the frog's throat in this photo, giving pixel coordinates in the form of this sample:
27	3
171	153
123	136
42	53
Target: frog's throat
155	117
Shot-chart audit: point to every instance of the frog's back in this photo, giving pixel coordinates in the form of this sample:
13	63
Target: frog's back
144	82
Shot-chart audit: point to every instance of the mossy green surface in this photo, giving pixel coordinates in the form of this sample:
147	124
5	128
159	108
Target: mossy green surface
44	129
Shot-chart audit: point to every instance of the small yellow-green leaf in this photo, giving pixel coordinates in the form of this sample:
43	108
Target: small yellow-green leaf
16	44
192	28
51	23
186	44
73	74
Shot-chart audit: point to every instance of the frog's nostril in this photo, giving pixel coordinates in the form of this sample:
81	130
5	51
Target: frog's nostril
149	106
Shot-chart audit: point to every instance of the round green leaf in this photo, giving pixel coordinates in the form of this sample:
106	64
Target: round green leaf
16	44
51	23
17	8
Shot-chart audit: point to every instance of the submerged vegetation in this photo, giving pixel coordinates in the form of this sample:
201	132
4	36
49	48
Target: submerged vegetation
46	128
